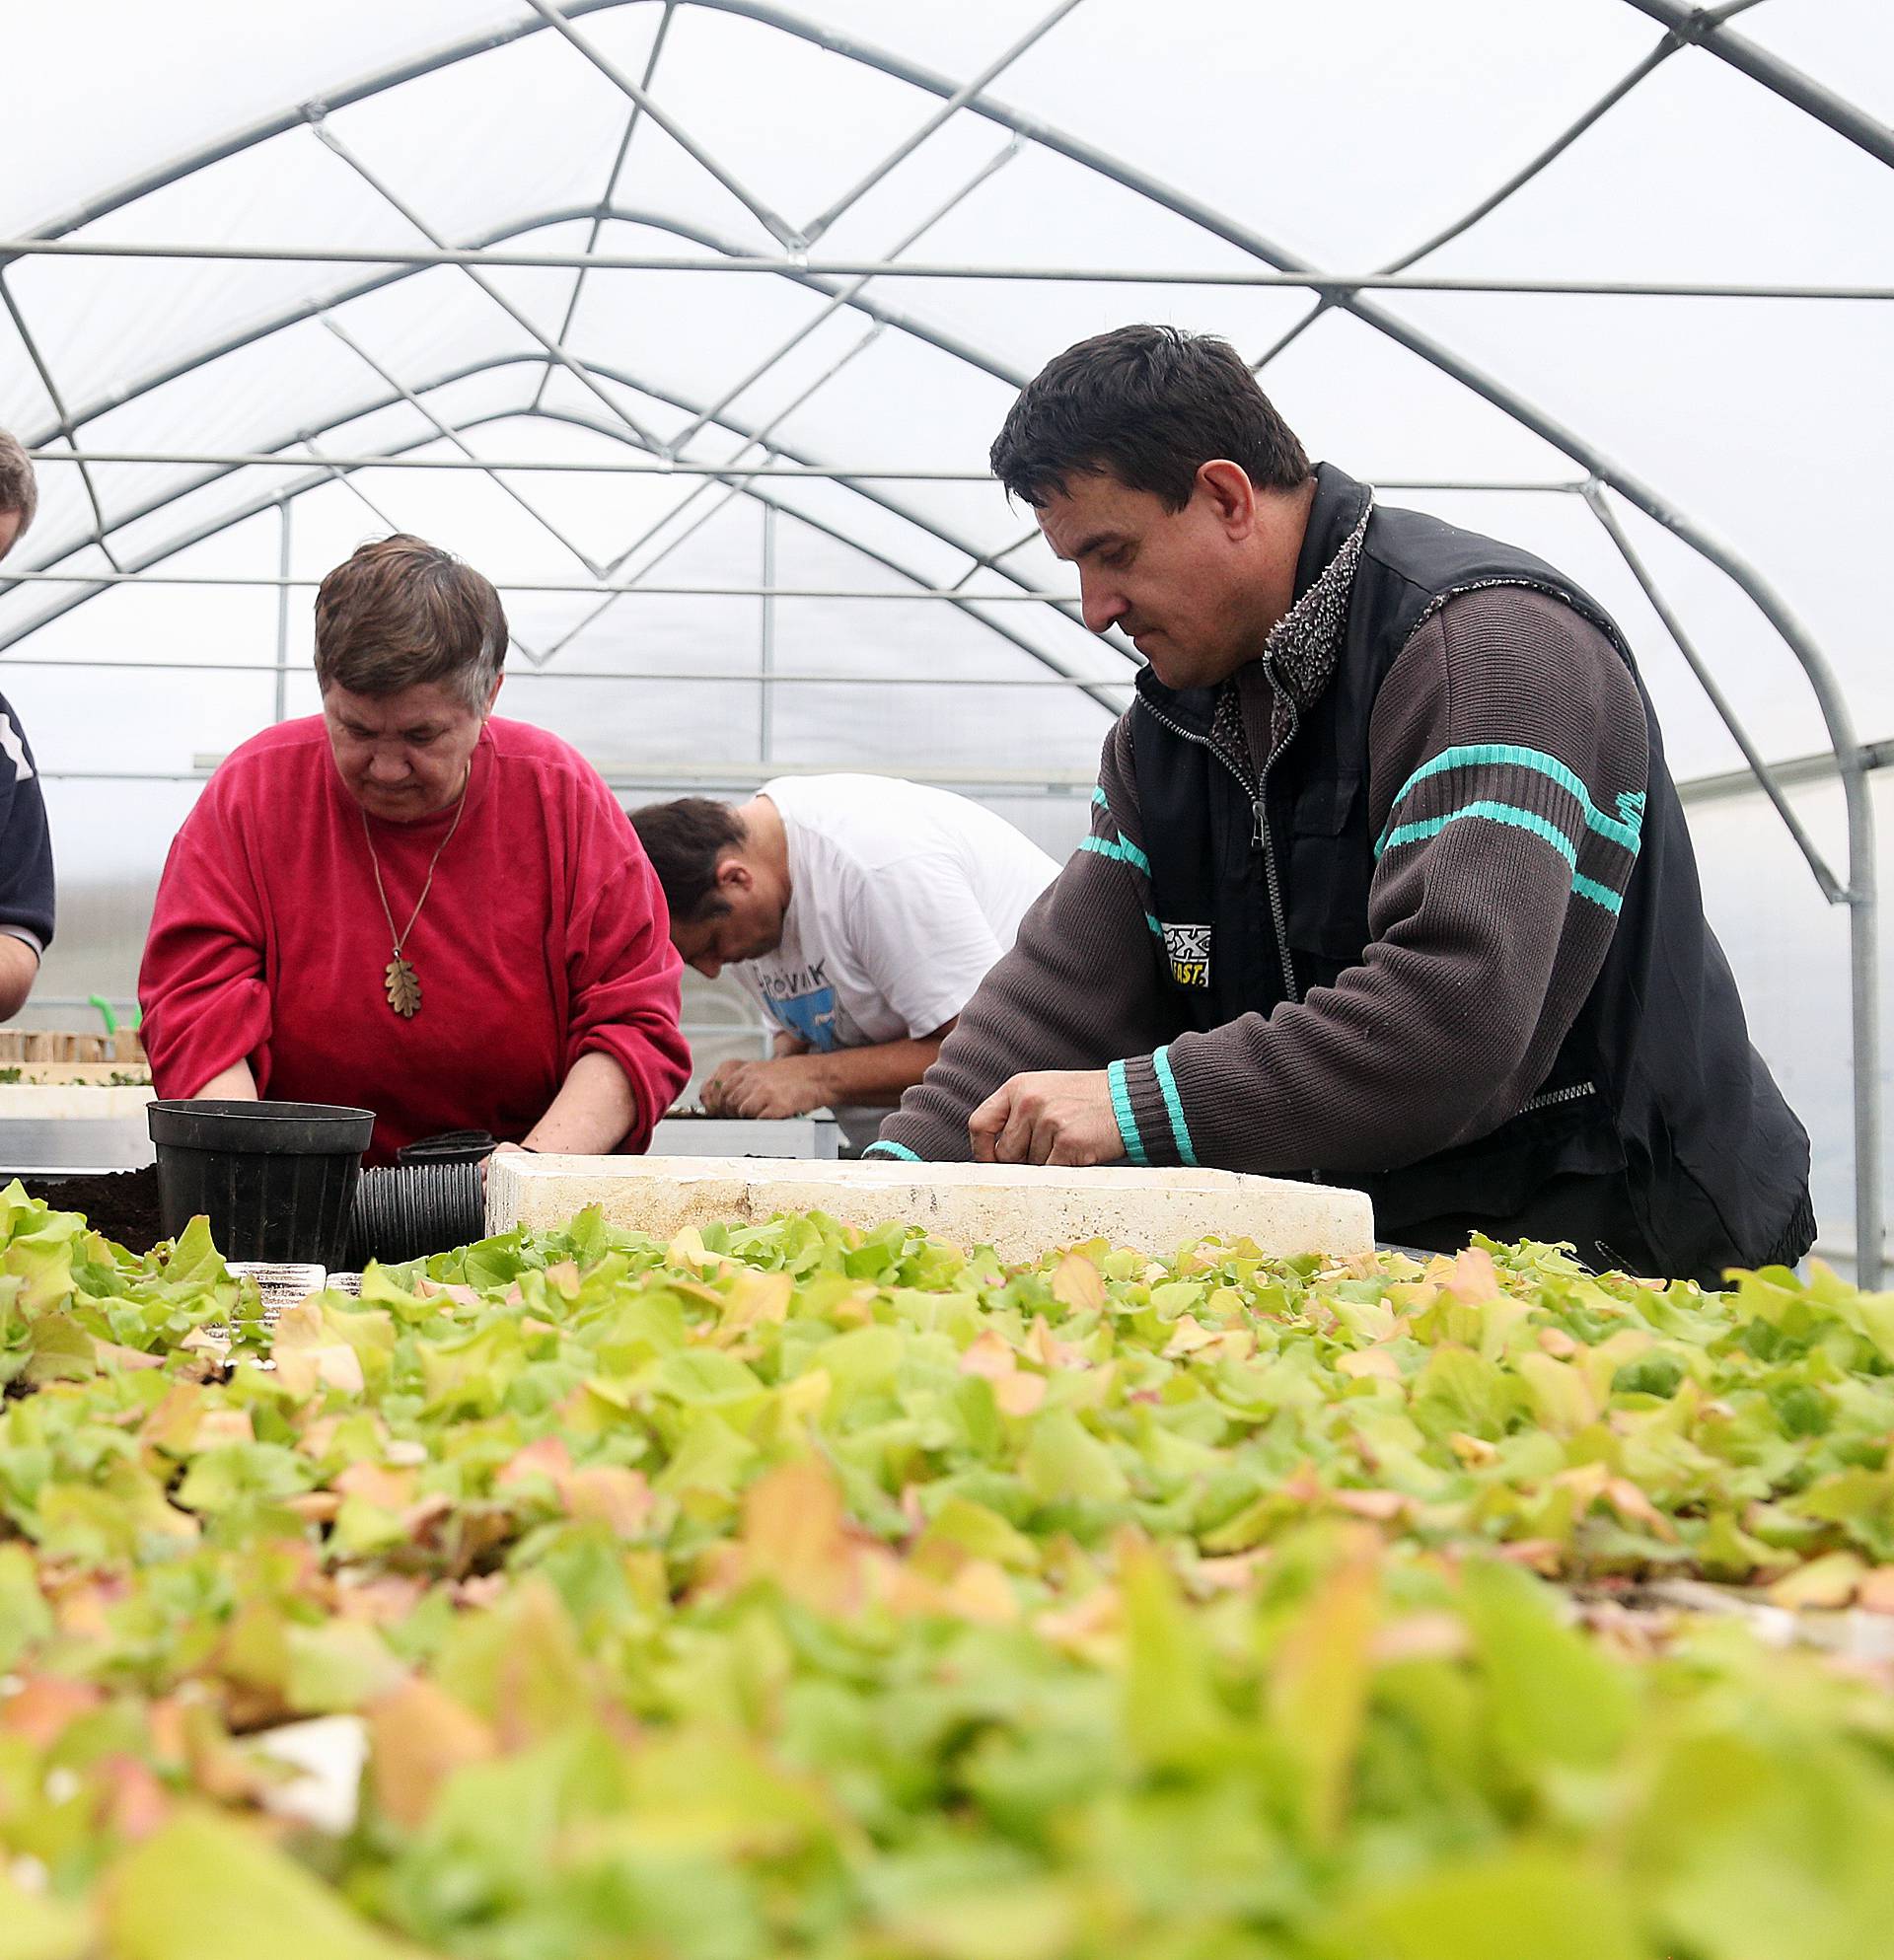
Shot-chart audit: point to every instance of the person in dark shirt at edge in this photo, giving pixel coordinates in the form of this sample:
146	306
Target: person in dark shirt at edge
1387	881
26	844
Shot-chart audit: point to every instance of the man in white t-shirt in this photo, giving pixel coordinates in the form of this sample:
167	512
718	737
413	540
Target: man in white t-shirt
863	911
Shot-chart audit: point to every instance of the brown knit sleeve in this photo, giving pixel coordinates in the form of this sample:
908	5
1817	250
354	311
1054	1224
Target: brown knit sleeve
1508	752
1080	988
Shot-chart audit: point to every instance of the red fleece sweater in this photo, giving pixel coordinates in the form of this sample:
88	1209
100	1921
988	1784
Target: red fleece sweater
546	936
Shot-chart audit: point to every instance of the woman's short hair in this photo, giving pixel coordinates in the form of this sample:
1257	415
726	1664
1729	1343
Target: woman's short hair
401	613
18	490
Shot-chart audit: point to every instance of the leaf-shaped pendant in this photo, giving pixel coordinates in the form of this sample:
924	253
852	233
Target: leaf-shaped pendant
403	985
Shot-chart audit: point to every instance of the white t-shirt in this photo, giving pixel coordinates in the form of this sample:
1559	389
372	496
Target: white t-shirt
901	899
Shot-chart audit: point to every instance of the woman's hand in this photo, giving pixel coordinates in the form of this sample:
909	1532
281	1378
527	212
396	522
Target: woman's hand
501	1150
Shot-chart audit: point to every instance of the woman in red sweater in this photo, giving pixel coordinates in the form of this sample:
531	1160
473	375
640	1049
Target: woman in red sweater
406	904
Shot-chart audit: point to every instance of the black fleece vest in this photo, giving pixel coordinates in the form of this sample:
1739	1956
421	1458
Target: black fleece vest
1659	1140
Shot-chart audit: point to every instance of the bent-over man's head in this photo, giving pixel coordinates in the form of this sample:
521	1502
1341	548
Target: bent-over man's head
409	648
1159	468
727	887
18	492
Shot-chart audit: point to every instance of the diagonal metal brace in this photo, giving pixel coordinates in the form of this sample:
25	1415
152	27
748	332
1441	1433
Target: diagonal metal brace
331	141
779	229
454	437
1833	889
1703	28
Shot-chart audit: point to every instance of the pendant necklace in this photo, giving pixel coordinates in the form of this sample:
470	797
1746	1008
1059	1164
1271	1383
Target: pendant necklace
399	979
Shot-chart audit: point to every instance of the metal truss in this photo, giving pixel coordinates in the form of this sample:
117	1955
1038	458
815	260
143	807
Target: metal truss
807	472
455	440
1369	296
923	331
696	676
1703	27
1338	284
969	602
220	581
618	161
66	429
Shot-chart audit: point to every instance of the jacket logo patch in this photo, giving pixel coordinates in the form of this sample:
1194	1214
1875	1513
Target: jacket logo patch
1189	950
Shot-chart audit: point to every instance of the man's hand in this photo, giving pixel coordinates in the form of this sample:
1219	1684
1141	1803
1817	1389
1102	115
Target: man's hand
766	1091
1056	1116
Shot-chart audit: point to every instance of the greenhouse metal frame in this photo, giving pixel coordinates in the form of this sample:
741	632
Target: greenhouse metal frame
763	460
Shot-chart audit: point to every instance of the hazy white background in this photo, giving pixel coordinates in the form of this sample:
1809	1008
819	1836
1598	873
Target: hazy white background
1346	135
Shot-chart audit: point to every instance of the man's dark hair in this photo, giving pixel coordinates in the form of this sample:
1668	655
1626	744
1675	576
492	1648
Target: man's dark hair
684	841
1149	405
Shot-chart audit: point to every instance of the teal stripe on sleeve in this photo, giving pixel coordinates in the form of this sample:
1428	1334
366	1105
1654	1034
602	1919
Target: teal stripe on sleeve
1122	850
1498	813
1174	1105
1519	820
1626	829
1127	1121
1599	894
892	1150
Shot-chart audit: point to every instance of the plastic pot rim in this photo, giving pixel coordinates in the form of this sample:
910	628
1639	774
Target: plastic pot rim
243	1128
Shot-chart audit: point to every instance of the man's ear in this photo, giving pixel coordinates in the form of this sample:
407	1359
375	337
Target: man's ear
1231	495
733	875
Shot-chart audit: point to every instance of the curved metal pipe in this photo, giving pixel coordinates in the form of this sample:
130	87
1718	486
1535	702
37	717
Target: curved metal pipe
1689	22
935	337
328	471
1702	28
885	315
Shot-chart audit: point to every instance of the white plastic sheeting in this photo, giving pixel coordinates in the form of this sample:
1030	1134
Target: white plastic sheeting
1344	138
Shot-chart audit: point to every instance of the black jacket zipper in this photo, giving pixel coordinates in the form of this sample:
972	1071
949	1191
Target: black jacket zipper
1270	878
1261	839
1552	1099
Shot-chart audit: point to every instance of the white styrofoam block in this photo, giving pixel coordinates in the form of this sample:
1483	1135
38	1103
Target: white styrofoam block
1021	1210
65	1102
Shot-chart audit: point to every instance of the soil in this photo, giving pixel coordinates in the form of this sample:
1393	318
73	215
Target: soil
122	1204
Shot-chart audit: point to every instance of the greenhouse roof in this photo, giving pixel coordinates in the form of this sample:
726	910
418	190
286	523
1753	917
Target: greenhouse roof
691	320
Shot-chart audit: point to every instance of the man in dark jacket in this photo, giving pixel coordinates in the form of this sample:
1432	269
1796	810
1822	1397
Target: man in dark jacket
25	848
1387	880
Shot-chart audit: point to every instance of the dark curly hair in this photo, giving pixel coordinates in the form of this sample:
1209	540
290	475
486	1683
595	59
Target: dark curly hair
686	841
1149	405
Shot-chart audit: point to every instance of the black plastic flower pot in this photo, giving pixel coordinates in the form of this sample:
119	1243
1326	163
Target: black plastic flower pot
450	1147
277	1180
408	1210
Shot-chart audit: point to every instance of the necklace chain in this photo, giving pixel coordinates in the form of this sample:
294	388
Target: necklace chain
400	938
